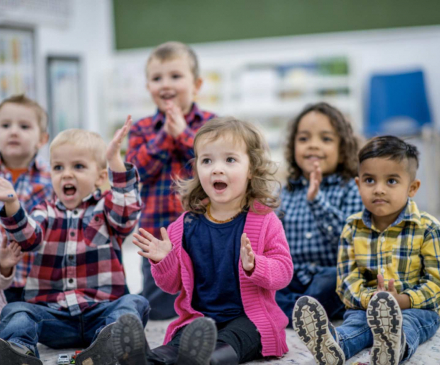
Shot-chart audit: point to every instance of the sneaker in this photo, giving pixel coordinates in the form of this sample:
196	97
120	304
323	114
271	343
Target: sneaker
385	320
314	329
14	354
197	342
129	344
100	352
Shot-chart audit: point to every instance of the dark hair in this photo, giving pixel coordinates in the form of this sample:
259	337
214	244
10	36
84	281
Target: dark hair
348	146
390	147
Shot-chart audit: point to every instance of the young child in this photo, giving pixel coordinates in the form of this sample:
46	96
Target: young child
227	255
161	147
10	255
388	267
75	290
23	132
320	194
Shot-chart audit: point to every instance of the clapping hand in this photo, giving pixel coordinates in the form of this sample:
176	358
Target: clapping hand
175	122
315	181
114	148
403	299
153	248
246	254
9	256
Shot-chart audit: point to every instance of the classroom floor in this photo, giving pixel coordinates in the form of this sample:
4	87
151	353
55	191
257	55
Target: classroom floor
427	354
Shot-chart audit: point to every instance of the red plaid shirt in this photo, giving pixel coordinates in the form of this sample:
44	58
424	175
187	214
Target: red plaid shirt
78	252
159	158
32	188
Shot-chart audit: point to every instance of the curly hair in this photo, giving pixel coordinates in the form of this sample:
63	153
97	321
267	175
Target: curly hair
262	184
348	146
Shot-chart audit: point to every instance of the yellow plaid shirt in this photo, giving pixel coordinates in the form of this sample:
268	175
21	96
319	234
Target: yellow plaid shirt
408	251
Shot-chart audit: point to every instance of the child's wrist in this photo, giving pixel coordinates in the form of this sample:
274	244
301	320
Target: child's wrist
116	164
6	271
12	207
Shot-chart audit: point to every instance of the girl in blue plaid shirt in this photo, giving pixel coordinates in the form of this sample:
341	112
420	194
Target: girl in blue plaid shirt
320	194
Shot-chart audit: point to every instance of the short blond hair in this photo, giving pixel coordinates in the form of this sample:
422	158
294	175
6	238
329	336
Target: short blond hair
85	140
23	100
172	50
262	186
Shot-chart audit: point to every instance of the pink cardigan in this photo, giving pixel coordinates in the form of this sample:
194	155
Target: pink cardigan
4	284
273	271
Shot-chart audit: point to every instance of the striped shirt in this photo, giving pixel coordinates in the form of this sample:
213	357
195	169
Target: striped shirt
313	227
32	188
408	251
160	158
78	252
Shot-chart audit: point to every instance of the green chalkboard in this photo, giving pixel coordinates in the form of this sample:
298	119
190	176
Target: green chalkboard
147	23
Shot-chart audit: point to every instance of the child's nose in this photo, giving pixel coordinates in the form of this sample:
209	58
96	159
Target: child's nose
379	189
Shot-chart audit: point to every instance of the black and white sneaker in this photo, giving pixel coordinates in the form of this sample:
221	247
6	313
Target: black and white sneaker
129	343
100	352
15	354
385	320
314	329
197	342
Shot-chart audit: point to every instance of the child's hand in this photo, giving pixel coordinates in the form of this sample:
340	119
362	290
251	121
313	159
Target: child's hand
114	148
153	248
175	123
315	181
402	299
9	256
246	254
9	197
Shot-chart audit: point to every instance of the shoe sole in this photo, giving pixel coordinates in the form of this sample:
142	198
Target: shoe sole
129	344
385	320
97	353
197	343
311	324
10	357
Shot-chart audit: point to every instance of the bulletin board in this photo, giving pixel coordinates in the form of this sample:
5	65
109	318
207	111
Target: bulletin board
147	23
17	62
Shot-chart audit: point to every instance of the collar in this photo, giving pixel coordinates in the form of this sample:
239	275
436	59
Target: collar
194	115
92	197
333	179
410	214
36	164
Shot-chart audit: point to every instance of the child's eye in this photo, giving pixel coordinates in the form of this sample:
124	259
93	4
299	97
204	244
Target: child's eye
25	126
206	161
5	125
177	76
231	159
369	180
156	78
79	166
392	181
327	139
302	139
57	168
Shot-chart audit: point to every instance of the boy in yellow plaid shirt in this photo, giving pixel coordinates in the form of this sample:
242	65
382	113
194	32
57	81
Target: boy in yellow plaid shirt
388	267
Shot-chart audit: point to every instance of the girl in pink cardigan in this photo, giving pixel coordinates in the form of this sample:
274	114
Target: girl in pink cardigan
10	255
227	255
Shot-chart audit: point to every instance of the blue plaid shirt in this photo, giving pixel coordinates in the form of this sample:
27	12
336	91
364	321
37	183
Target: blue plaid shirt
313	228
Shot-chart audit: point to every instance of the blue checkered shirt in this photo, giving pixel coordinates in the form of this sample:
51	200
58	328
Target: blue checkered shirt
313	228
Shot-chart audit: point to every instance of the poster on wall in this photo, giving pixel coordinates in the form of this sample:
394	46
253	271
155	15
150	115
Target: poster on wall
17	62
64	102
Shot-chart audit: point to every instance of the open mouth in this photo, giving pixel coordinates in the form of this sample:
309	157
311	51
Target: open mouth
167	96
69	190
219	185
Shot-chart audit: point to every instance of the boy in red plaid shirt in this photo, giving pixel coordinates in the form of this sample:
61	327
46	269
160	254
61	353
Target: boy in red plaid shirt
161	146
23	124
75	290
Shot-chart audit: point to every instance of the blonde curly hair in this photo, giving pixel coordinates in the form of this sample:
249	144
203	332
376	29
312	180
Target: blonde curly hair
262	184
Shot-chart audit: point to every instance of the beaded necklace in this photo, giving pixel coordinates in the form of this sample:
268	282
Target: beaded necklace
208	212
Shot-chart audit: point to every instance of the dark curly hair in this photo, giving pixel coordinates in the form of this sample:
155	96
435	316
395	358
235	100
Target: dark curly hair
348	147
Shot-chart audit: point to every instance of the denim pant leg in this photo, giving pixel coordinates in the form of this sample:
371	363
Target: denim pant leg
323	289
162	304
419	325
27	324
287	297
354	333
105	313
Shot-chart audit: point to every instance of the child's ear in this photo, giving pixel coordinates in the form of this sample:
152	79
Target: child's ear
413	187
198	84
44	137
102	178
356	180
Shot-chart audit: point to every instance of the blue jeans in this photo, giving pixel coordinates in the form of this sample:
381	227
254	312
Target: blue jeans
28	324
322	288
419	325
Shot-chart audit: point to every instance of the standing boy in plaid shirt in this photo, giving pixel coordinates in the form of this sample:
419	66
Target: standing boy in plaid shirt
388	267
161	147
75	290
23	125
